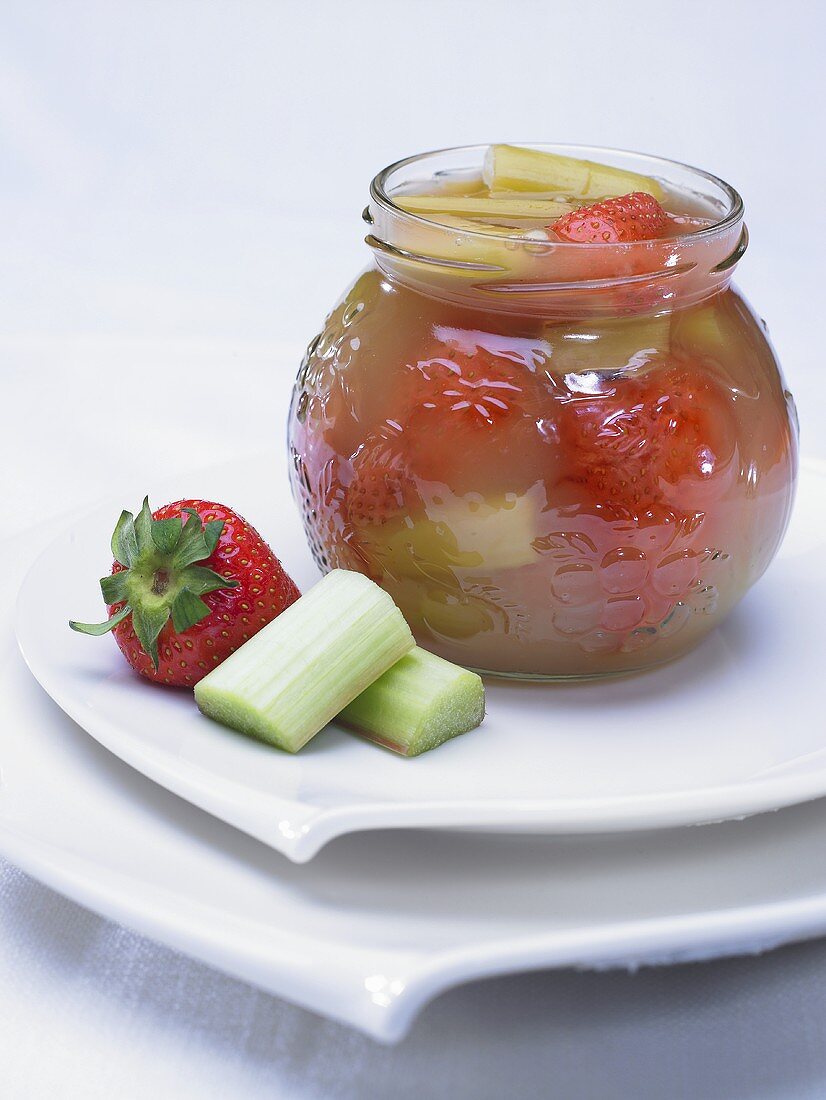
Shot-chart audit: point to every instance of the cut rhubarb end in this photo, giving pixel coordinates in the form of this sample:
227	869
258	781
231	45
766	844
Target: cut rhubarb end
510	167
289	680
418	704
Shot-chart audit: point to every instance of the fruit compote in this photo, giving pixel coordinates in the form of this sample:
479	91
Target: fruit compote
543	419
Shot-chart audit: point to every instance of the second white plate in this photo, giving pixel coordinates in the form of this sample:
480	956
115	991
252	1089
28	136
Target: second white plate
733	729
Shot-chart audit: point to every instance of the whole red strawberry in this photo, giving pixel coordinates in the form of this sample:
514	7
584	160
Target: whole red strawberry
191	582
633	217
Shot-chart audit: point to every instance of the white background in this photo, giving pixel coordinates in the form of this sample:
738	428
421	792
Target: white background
180	190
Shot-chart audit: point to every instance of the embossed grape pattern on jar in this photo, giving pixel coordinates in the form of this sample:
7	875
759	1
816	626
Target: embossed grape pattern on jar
560	459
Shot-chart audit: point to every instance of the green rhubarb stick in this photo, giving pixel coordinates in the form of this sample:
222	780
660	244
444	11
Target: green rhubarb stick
292	677
515	168
418	704
483	206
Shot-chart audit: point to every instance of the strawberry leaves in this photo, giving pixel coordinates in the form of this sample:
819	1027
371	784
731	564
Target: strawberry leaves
166	533
160	577
187	610
196	542
97	629
115	588
148	622
124	540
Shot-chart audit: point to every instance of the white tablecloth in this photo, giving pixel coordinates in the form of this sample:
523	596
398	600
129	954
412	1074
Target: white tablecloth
180	188
89	1011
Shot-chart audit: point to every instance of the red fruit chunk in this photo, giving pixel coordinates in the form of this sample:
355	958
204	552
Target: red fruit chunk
381	488
661	437
191	583
633	217
466	418
475	391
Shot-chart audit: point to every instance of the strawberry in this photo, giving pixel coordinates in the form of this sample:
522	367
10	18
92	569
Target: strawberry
661	436
474	390
633	217
467	419
381	489
191	582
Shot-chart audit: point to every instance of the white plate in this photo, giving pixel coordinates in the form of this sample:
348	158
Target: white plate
380	923
733	729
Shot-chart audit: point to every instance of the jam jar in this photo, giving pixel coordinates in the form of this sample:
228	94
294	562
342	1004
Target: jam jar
561	459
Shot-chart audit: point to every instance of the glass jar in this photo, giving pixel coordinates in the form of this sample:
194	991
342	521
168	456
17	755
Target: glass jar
561	460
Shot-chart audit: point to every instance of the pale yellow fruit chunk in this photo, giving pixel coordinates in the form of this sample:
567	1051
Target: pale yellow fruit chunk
510	167
500	532
613	344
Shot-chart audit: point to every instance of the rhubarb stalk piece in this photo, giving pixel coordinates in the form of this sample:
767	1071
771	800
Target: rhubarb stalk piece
290	679
419	703
513	168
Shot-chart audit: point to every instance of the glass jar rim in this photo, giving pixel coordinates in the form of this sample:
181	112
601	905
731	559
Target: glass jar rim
383	199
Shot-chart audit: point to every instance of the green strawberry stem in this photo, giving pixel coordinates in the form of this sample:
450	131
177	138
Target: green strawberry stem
161	577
